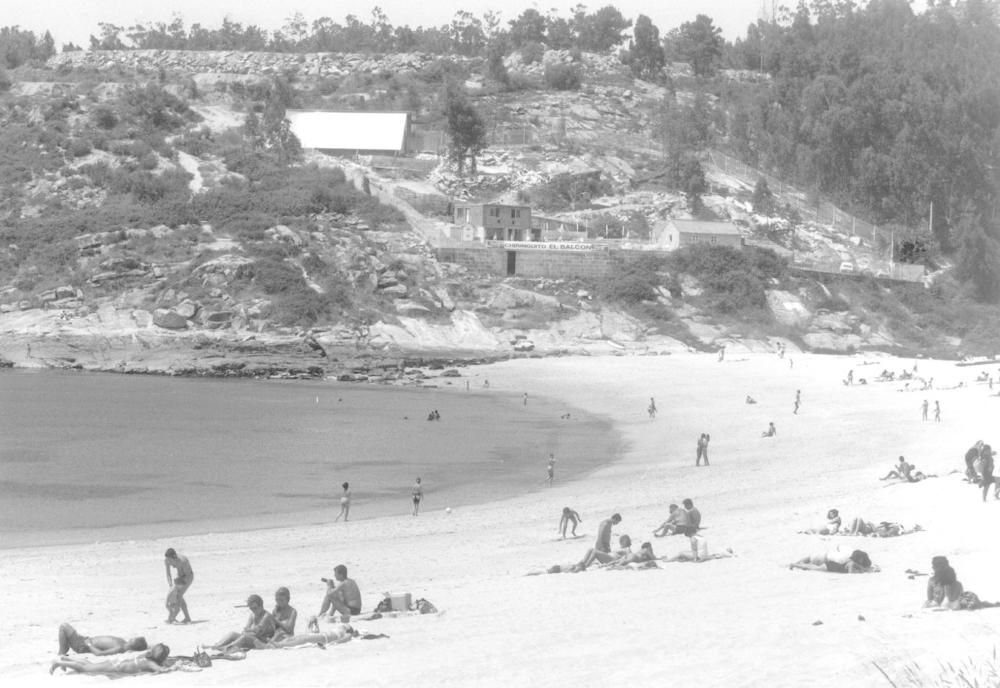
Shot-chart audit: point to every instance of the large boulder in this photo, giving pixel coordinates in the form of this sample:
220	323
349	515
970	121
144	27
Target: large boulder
186	309
169	320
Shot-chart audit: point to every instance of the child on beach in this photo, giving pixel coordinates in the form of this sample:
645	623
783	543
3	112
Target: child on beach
345	503
568	516
832	525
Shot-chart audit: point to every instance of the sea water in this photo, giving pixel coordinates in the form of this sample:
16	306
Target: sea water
97	456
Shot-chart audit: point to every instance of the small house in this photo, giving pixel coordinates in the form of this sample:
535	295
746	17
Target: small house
495	221
674	234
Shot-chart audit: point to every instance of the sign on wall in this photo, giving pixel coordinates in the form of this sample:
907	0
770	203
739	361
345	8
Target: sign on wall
542	245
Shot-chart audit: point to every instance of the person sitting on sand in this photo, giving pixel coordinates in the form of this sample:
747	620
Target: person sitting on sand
770	432
833	523
284	614
669	527
260	629
837	561
568	516
149	663
99	645
338	633
601	551
751	400
944	591
342	595
905	471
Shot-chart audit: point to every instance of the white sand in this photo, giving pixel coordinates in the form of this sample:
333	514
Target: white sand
746	621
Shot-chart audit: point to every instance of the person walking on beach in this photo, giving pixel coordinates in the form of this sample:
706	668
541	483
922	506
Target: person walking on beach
937	411
704	447
569	516
798	401
850	377
699	449
923	409
652	407
178	585
551	470
418	495
525	398
345	503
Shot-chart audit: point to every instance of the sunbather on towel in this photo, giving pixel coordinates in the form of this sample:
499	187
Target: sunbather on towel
689	556
149	663
837	561
335	634
645	554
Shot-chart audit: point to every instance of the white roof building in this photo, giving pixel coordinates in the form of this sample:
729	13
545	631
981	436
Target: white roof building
354	132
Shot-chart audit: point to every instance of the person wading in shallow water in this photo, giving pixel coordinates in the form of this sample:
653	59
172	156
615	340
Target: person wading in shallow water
418	495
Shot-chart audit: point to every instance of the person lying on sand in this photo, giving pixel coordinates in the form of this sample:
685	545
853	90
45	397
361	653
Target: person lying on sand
149	663
751	400
837	561
859	526
669	527
944	591
334	635
99	645
259	630
832	525
698	558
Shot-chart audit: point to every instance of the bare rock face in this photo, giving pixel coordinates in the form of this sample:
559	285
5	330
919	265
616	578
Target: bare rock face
169	320
505	297
787	308
187	309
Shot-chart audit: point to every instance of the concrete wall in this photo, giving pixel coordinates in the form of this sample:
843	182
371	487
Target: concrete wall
529	263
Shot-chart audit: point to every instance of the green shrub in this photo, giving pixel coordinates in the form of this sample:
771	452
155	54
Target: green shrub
79	148
634	282
563	77
735	280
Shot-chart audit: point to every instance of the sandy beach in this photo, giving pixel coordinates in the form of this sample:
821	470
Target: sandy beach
742	621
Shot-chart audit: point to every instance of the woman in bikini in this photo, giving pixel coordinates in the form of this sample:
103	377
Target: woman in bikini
345	503
837	561
418	494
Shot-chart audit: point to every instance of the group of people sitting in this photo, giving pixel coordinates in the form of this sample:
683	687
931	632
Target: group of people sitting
264	630
944	591
906	472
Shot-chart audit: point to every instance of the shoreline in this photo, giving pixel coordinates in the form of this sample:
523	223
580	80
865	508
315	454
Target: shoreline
470	491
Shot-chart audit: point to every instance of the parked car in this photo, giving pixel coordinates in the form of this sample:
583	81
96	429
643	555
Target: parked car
847	267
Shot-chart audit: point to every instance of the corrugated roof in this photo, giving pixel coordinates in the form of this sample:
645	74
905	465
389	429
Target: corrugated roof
705	227
383	131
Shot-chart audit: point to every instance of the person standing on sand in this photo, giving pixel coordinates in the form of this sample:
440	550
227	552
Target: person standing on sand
971	457
178	585
551	469
704	447
798	401
418	495
923	410
652	407
525	398
601	551
345	503
986	468
699	449
937	411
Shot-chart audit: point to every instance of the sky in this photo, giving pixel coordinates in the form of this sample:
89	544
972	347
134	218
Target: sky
75	20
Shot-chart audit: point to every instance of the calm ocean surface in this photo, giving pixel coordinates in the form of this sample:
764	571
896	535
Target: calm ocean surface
87	457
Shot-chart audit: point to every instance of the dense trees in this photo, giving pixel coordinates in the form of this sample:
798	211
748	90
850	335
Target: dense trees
699	43
18	46
645	53
888	110
466	129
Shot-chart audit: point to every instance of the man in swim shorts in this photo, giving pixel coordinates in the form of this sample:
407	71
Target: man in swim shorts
178	585
970	461
99	645
342	595
151	662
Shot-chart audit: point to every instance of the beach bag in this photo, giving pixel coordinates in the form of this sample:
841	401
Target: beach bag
424	607
202	659
385	605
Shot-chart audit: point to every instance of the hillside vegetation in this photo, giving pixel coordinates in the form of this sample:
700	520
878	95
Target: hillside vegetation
178	192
